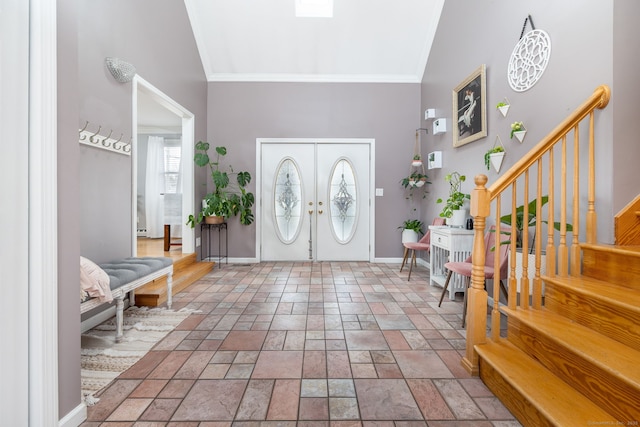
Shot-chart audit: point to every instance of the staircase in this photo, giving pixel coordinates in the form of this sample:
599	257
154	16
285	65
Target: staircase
571	355
186	271
575	361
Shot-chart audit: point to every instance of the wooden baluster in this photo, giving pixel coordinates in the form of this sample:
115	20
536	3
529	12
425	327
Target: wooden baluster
575	247
524	280
551	248
537	282
591	208
495	313
563	251
476	294
513	280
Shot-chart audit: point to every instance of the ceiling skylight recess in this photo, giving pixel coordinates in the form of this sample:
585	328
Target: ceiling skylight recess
314	8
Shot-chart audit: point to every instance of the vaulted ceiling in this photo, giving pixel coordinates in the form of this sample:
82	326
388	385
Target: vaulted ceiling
364	41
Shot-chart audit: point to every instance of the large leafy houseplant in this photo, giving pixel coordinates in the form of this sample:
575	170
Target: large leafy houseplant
523	226
456	198
412	224
229	198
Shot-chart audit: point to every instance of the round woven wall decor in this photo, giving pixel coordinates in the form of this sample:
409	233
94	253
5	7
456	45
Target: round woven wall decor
528	60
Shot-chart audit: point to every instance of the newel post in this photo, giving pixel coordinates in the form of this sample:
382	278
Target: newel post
476	294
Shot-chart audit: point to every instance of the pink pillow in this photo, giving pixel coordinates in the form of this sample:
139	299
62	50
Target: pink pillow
94	281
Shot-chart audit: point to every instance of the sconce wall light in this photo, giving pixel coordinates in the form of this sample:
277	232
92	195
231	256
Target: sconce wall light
121	71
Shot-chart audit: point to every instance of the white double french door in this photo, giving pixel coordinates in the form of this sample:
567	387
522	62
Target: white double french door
315	201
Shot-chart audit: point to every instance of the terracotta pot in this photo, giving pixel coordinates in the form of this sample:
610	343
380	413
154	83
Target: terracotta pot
213	219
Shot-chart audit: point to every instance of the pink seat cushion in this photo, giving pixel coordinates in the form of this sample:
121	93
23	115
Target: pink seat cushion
417	246
464	268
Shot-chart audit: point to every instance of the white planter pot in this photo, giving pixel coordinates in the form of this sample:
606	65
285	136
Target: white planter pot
496	160
504	110
520	135
458	218
409	236
531	268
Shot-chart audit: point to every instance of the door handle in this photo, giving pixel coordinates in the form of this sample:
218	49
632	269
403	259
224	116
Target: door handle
320	212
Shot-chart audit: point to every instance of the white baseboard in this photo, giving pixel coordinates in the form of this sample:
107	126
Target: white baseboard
74	418
422	262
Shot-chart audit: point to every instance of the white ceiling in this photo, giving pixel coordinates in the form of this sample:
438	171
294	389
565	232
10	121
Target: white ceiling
365	41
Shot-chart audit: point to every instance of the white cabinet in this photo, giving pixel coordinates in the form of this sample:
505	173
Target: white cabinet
449	244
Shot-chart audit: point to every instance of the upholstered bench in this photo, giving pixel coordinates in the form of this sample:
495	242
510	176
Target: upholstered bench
125	276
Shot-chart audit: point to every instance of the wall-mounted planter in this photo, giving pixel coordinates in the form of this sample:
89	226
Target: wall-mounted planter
434	160
439	126
503	107
520	134
496	160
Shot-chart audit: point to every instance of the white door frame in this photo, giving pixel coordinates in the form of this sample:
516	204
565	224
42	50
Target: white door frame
188	179
372	173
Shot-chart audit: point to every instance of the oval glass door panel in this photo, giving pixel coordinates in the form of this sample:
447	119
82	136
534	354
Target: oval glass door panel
343	206
287	201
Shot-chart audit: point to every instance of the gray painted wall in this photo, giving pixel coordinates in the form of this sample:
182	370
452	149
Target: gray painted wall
485	32
238	113
68	208
136	32
94	195
626	149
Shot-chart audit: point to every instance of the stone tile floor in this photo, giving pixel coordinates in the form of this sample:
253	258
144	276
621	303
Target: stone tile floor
306	344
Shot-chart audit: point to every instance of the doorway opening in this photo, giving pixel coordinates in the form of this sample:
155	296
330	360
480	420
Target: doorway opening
163	176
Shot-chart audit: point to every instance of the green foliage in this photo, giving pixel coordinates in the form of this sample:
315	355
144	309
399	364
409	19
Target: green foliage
228	198
521	226
501	104
487	159
412	224
456	197
415	181
516	127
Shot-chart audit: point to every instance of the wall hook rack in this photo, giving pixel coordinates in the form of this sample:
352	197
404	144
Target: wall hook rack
94	139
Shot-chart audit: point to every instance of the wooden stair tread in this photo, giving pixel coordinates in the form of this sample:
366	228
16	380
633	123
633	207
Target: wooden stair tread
609	355
617	249
557	400
617	294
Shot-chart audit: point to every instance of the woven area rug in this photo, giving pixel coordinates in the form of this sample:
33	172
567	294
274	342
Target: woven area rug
103	359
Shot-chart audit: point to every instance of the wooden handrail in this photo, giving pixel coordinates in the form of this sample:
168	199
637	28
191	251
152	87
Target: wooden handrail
567	255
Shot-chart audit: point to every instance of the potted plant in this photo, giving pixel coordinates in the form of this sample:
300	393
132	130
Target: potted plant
494	156
417	160
503	107
434	160
414	180
518	130
522	226
228	198
453	208
411	230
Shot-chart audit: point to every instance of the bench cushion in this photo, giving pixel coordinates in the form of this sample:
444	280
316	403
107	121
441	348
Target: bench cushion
127	270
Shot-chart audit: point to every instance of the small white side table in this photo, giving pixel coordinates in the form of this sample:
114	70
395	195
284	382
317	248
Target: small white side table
449	244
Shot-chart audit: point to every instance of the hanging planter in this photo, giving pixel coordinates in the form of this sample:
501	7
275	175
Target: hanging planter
503	107
417	161
518	130
495	155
